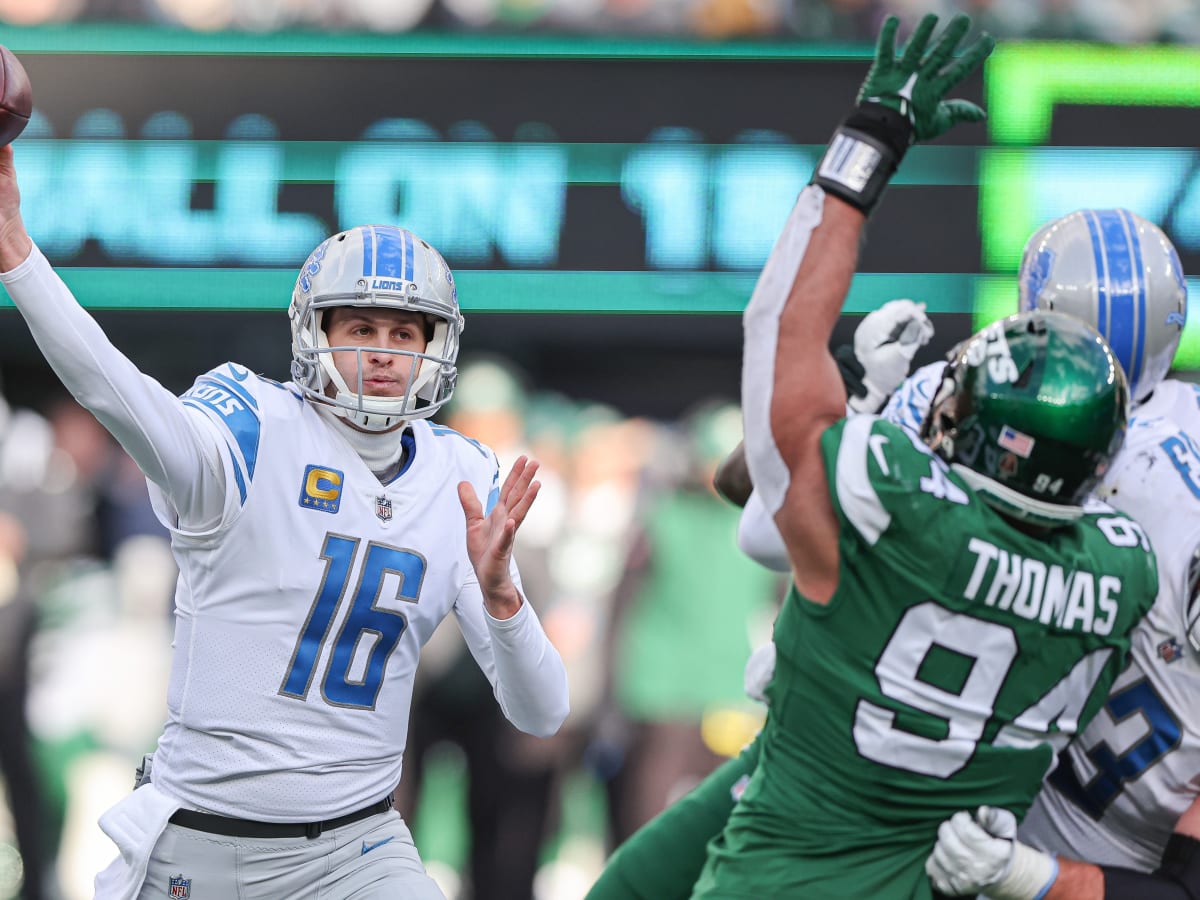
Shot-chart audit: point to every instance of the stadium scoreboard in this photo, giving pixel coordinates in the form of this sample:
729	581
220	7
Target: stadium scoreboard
178	170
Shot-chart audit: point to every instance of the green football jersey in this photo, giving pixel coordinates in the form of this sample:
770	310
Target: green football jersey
957	656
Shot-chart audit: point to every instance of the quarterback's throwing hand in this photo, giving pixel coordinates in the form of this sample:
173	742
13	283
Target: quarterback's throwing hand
490	537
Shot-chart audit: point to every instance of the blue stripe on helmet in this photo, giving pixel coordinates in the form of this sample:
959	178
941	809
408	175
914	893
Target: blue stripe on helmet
1115	287
408	254
1139	280
389	252
1101	279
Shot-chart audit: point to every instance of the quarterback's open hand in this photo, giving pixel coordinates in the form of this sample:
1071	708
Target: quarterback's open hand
490	537
916	84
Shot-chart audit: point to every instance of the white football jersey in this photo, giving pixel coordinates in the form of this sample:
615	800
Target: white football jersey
910	403
1176	401
1122	784
293	670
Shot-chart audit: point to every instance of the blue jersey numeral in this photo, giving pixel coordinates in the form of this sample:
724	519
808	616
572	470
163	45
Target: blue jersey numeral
407	570
1113	765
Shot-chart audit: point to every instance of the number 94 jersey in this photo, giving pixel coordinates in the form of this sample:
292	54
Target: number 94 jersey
301	615
957	655
1120	787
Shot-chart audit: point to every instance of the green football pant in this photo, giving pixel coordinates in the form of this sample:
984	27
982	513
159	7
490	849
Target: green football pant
663	859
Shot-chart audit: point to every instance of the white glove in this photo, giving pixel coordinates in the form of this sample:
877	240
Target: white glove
885	343
980	854
760	669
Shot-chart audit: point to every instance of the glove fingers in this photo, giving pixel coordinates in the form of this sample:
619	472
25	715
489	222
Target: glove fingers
915	48
972	57
943	49
998	821
885	47
963	111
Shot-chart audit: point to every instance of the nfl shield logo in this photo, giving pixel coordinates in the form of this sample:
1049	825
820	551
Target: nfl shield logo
383	508
1169	650
180	888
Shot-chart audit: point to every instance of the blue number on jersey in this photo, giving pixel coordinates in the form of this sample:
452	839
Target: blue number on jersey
1113	770
407	568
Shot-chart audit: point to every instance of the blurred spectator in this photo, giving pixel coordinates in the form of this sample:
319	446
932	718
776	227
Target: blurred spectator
510	775
81	558
686	613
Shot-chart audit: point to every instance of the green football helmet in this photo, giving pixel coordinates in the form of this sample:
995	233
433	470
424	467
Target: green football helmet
1030	412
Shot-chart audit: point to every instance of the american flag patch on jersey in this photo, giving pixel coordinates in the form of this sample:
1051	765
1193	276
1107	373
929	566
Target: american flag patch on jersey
180	888
1016	441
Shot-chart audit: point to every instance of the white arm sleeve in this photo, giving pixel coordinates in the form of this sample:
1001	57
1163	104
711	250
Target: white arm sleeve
175	452
768	472
526	672
759	538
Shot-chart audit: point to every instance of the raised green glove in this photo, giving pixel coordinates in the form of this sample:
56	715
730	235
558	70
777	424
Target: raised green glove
901	101
916	85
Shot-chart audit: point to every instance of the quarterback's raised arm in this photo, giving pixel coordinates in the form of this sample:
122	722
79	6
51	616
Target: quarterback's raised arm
145	417
791	387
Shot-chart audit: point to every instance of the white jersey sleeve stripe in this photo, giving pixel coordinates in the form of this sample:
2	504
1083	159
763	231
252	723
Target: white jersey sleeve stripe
769	472
235	409
855	495
233	456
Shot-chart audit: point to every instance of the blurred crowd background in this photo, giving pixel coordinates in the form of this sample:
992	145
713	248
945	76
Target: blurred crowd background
1121	21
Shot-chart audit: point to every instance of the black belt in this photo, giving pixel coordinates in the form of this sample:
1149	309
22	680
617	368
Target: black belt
206	822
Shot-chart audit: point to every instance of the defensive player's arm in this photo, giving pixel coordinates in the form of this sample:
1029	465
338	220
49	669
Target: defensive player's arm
791	388
150	422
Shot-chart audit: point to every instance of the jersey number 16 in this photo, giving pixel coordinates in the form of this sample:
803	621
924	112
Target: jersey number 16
364	621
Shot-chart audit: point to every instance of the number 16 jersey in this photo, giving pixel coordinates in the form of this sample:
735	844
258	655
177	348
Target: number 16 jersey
300	618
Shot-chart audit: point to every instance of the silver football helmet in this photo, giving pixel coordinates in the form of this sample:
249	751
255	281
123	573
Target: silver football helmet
376	266
1119	273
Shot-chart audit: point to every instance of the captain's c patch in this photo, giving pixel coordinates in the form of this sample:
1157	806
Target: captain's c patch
322	489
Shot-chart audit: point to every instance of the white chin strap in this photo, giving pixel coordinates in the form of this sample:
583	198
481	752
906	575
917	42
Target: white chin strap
1018	504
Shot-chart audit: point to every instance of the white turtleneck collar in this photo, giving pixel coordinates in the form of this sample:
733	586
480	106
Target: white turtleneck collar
382	451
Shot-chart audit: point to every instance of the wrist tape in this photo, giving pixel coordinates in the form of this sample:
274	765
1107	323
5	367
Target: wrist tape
863	154
1031	874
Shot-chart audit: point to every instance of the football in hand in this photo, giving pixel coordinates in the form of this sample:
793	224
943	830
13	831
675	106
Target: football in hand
16	97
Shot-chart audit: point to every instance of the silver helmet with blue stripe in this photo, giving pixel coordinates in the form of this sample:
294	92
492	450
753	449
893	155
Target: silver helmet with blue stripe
378	266
1119	273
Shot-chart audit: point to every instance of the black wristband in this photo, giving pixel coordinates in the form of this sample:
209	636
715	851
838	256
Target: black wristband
863	154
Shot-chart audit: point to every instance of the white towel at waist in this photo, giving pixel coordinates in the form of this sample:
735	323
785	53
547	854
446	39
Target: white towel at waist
134	825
